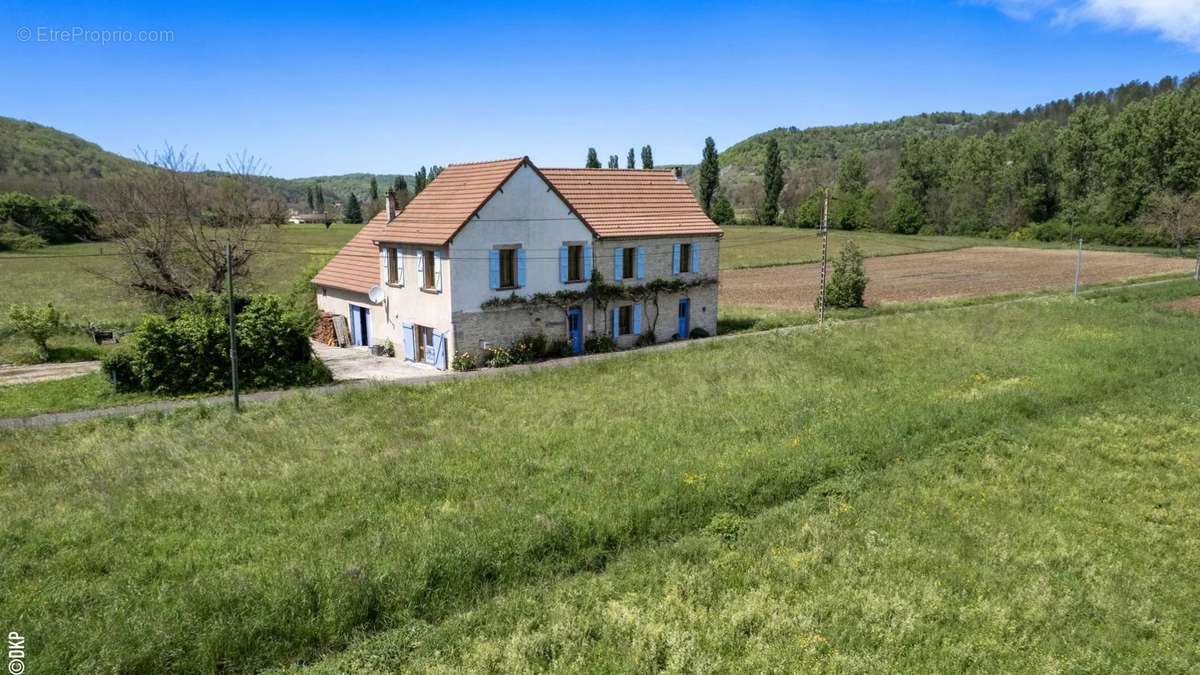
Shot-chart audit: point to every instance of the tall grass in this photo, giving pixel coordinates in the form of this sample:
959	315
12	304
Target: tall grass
1063	544
201	541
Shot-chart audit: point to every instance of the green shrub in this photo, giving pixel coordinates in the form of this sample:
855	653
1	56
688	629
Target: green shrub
13	238
646	339
190	352
59	219
118	366
558	349
848	281
36	322
698	332
499	357
462	361
599	344
727	527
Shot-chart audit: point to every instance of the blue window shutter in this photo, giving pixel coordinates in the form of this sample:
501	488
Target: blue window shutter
400	265
616	322
562	264
410	344
437	269
420	267
674	258
641	262
695	257
618	263
520	267
439	350
587	261
637	319
494	268
383	265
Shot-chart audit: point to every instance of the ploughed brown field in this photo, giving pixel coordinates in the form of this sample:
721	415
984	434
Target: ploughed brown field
970	272
1186	304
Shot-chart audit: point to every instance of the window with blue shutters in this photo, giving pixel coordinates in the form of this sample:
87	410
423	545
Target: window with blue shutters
510	267
573	260
437	270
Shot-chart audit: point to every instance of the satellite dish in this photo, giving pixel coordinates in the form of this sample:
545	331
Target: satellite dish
375	295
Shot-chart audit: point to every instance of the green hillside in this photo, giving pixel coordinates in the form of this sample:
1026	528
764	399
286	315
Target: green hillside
32	150
810	155
43	160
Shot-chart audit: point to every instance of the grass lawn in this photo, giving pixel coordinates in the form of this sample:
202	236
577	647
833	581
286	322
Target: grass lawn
760	246
412	528
76	285
1059	544
72	393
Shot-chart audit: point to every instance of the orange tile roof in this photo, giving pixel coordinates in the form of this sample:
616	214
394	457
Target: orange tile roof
611	202
356	266
449	201
632	202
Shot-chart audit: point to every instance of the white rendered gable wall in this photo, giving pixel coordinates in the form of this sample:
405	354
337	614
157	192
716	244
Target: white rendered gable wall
526	212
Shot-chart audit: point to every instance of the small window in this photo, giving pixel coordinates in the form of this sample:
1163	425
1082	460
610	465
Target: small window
628	263
393	266
575	263
430	280
685	258
508	268
625	319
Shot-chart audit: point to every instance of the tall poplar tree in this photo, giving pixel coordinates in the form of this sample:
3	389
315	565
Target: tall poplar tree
630	161
710	175
647	157
593	162
772	183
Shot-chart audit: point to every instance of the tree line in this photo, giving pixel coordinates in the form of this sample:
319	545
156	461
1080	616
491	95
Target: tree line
358	211
1119	167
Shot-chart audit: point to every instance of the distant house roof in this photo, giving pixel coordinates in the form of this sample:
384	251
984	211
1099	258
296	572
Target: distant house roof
610	202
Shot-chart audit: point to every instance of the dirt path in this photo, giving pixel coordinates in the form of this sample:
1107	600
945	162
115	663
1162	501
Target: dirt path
43	372
971	272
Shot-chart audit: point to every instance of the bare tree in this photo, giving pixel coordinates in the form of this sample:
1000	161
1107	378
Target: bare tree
173	223
1173	215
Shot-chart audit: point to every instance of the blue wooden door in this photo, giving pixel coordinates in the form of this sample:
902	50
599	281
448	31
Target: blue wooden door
360	326
575	329
684	322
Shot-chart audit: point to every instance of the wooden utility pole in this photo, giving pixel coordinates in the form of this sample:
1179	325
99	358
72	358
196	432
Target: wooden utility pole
233	365
824	255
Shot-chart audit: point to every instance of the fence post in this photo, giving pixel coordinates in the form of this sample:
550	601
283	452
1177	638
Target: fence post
1078	265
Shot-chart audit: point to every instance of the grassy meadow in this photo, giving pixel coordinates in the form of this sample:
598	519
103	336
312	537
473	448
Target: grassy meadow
75	277
924	492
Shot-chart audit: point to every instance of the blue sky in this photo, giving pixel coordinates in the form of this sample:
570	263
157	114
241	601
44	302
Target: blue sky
314	88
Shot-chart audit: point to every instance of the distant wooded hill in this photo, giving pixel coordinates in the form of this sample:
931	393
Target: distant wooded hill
41	160
939	157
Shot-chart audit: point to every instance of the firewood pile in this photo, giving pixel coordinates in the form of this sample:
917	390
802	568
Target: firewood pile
324	332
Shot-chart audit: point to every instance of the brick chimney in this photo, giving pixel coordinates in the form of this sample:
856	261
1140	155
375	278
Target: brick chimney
391	205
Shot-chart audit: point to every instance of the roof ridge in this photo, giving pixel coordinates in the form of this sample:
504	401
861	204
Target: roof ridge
490	161
603	170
